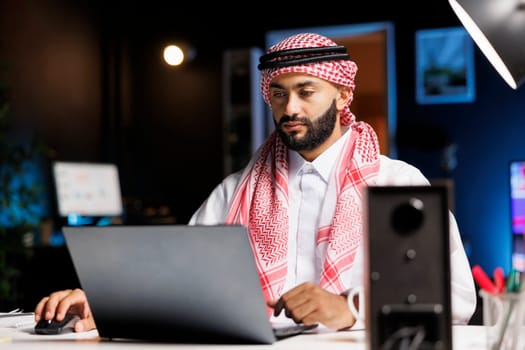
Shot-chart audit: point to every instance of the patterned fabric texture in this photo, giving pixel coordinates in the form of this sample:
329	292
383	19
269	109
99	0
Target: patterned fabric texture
260	201
340	72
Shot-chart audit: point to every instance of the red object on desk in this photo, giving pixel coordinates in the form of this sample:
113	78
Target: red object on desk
499	279
483	280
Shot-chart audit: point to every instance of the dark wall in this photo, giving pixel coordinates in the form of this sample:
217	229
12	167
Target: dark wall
488	134
50	57
91	81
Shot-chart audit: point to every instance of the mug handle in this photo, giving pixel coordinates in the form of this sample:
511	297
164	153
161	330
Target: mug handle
359	292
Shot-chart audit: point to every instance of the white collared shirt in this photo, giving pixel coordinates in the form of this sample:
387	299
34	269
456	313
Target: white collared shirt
307	182
392	172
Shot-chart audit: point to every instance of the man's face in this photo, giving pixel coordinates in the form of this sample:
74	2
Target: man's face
304	109
318	130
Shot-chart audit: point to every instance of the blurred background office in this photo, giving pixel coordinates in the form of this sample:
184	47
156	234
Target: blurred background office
88	81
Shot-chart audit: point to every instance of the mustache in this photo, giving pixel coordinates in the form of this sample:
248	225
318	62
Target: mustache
287	118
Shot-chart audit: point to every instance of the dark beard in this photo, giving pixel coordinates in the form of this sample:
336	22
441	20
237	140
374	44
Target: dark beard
317	132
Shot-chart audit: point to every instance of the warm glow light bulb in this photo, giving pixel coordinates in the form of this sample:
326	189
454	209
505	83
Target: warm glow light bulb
173	55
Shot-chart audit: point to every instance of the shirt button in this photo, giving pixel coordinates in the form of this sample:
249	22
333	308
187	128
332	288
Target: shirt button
308	169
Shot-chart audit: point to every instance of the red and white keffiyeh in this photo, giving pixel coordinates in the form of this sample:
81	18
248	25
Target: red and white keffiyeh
260	201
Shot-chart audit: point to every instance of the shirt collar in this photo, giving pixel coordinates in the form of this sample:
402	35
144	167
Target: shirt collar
323	164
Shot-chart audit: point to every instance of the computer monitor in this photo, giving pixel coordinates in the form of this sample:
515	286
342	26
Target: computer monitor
517	212
87	190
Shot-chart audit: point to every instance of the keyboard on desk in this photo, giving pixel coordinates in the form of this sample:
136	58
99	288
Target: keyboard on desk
282	331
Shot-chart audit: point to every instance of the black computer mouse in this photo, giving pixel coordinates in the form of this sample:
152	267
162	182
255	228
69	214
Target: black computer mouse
56	327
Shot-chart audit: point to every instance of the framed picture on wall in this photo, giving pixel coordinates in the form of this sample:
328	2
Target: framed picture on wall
444	66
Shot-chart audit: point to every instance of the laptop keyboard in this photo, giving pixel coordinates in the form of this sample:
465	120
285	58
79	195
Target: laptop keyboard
288	330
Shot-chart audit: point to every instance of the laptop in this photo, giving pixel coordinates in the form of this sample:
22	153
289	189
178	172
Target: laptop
173	283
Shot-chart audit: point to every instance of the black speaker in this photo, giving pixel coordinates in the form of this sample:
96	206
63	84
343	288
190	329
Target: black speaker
407	268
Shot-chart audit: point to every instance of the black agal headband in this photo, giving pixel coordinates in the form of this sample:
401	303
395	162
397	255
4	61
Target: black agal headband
293	57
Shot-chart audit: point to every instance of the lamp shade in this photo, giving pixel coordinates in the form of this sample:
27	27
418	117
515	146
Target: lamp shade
498	29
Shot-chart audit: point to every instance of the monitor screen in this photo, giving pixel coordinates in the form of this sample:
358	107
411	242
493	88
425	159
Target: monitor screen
517	212
87	189
517	196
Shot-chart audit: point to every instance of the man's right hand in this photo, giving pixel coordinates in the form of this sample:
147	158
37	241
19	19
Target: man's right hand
57	304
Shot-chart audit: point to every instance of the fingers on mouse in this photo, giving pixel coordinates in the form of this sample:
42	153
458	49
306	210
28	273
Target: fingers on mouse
57	327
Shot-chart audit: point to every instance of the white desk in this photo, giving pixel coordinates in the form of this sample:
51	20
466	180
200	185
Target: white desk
464	338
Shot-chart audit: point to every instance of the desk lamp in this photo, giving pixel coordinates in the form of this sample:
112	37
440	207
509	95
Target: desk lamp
498	29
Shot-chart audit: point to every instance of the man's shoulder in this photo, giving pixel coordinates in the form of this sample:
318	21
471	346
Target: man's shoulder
398	172
387	163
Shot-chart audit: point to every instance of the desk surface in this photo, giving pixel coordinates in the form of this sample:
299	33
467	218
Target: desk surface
464	337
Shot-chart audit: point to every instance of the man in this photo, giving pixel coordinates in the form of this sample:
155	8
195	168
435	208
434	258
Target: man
301	195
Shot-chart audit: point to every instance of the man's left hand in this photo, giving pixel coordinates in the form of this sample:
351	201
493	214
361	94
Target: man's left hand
308	303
